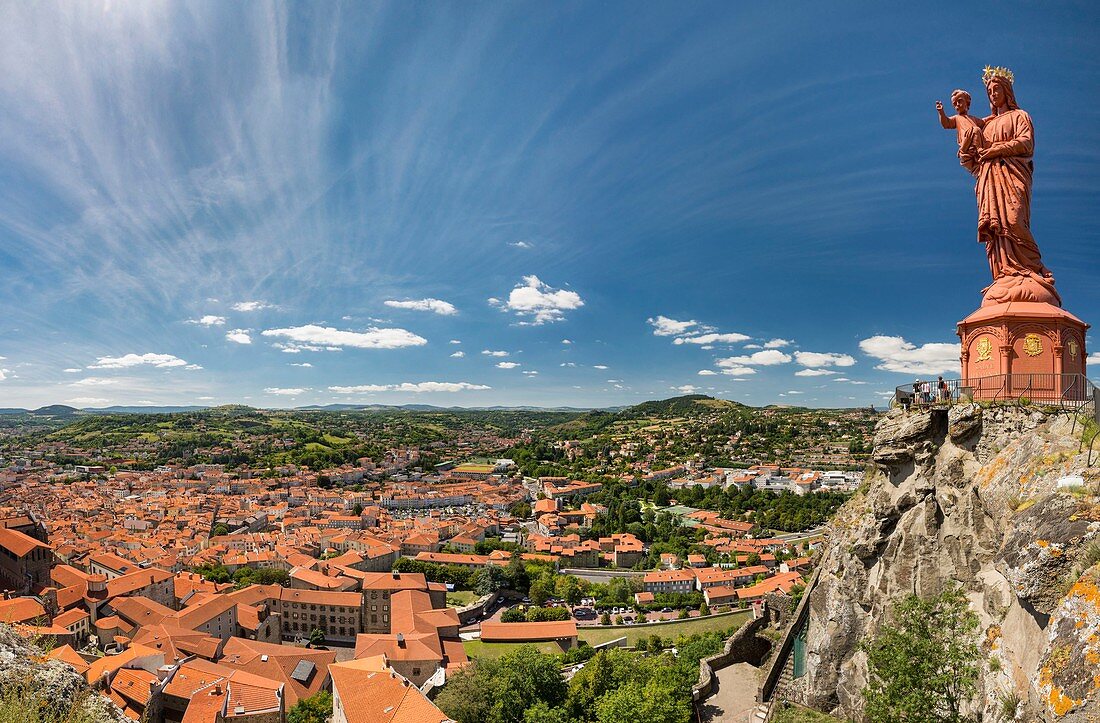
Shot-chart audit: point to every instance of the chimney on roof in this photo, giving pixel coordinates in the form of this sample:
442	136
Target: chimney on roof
400	640
396	574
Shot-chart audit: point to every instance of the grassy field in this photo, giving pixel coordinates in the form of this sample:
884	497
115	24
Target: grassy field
634	633
460	598
478	649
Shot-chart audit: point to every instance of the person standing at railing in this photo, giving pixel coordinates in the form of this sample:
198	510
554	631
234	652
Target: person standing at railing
945	392
926	393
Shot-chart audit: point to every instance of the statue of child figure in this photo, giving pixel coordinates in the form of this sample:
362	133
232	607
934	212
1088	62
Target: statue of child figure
967	127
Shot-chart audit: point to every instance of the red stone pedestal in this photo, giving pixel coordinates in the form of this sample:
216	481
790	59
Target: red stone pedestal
1022	349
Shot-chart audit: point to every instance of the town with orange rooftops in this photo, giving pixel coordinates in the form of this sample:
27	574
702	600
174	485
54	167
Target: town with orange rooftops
249	565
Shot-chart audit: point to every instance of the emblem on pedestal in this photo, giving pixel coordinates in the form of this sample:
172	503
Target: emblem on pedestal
1033	344
984	349
1072	347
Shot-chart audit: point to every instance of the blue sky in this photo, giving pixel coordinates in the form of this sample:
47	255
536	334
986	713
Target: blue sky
282	205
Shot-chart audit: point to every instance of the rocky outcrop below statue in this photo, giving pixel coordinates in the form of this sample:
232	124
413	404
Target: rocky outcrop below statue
1000	500
34	688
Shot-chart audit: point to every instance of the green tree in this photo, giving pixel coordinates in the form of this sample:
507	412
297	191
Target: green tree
489	579
219	530
502	690
316	637
315	709
655	701
923	665
542	713
704	609
541	589
357	509
605	619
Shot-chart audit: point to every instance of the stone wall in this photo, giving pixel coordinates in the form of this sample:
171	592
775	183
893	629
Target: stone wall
474	610
744	646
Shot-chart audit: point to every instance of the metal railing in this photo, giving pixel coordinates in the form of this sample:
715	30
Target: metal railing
1068	392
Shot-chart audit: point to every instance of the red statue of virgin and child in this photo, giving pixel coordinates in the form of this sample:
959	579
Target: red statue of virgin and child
1020	328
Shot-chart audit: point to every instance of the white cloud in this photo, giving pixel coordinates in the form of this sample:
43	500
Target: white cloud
566	341
795	391
712	339
738	371
601	367
753	346
86	401
823	359
286	391
490	352
4	374
813	373
411	387
766	358
302	364
251	305
458	354
530	373
707	373
205	399
522	244
536	299
777	344
567	364
686	388
208	320
436	306
903	357
240	336
664	326
454	341
1093	358
507	365
93	382
72	370
161	361
312	337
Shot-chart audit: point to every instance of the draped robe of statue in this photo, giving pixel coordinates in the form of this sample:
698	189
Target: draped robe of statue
1003	190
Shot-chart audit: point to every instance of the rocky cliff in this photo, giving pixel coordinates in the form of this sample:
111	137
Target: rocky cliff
34	689
999	499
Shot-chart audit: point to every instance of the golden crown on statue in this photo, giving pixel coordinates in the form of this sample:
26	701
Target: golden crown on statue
990	72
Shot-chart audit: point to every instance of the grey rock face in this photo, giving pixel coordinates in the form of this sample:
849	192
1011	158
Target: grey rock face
968	496
51	683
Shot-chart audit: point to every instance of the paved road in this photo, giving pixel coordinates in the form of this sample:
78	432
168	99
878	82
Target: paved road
735	697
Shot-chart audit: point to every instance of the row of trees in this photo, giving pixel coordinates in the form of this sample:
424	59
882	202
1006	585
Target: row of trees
243	576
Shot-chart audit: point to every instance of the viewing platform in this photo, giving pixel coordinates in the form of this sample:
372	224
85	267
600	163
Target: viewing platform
1069	392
